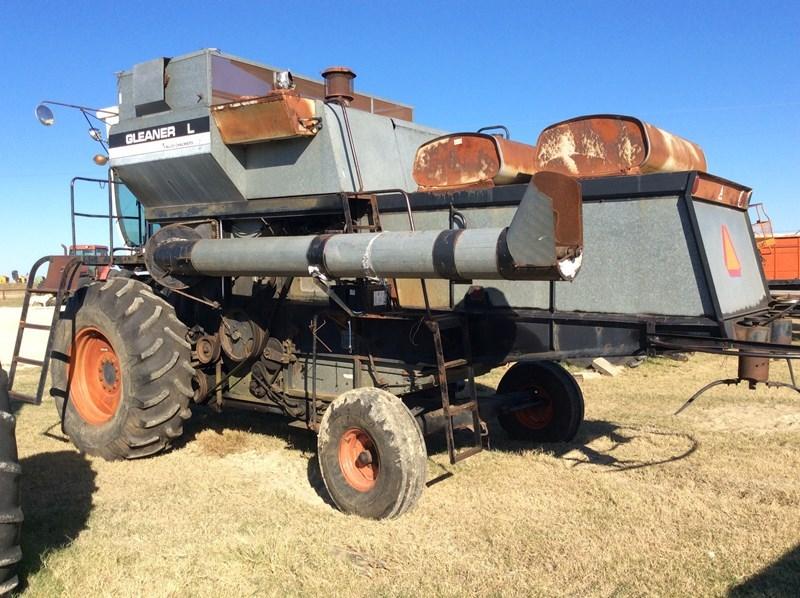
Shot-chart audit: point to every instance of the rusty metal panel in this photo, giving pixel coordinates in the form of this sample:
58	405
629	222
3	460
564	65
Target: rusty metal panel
753	368
610	144
712	188
279	115
235	79
471	159
391	110
565	193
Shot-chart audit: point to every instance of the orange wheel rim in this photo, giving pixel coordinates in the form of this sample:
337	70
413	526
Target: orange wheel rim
537	417
95	377
358	459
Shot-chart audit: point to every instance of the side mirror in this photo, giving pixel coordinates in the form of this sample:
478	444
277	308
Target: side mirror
45	115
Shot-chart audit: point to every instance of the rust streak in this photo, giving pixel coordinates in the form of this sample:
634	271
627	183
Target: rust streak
279	115
472	159
712	188
609	144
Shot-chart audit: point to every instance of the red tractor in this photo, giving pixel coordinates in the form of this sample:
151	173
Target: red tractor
99	272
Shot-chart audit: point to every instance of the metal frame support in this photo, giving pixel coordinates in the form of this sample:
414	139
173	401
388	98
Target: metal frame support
71	268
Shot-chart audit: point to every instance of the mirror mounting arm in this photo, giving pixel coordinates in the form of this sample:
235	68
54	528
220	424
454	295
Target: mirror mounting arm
77	107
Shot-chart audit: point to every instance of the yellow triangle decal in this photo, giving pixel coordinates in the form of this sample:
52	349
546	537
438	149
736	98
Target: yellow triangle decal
732	262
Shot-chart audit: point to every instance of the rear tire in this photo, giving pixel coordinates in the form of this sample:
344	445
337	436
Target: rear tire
10	511
560	413
371	454
121	371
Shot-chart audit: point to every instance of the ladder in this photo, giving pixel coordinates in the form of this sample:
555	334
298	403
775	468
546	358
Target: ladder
60	282
437	323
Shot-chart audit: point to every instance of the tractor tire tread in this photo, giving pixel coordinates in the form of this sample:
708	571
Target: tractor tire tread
11	515
157	386
393	427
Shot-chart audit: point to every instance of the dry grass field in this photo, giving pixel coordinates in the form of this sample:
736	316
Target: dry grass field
642	503
11	294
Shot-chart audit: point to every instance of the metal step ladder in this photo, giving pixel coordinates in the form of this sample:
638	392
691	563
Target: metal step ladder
437	323
60	282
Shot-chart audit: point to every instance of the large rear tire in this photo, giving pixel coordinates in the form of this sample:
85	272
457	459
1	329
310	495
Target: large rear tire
122	373
559	410
10	511
371	454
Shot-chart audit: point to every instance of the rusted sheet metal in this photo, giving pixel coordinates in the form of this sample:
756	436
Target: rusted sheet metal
59	264
712	188
233	78
601	145
339	83
279	115
472	159
565	193
752	368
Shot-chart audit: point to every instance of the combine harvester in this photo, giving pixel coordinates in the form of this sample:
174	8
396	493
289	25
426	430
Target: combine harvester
298	248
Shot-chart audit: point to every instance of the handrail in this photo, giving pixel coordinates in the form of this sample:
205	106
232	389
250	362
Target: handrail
110	216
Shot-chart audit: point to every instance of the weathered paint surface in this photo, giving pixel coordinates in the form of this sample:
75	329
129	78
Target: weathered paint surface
713	188
609	144
279	115
470	159
234	79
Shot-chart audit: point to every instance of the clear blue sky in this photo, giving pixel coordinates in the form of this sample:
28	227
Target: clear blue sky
723	74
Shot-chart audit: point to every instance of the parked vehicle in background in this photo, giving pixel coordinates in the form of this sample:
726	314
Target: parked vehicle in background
780	252
99	272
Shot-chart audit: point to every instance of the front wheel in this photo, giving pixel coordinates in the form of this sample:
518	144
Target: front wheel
122	374
371	454
556	402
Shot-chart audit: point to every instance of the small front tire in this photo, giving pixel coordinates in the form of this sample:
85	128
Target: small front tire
372	454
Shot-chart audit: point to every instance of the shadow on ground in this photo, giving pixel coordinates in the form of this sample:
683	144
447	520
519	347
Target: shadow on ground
57	492
781	578
297	439
615	436
610	453
205	418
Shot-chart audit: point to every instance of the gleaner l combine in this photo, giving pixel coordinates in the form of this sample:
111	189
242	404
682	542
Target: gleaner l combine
305	250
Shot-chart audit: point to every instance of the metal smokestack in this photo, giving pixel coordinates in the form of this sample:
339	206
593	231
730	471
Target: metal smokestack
339	84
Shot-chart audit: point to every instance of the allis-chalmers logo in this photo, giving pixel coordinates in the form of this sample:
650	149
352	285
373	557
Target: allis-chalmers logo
732	263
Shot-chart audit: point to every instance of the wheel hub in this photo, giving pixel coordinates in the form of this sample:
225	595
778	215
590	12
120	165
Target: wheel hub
539	416
358	459
109	374
95	381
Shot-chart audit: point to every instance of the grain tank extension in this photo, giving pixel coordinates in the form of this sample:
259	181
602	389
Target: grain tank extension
300	248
